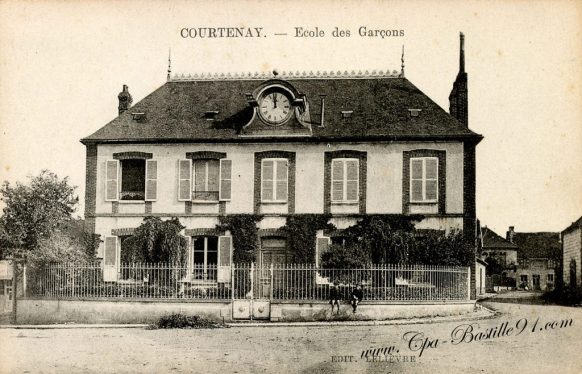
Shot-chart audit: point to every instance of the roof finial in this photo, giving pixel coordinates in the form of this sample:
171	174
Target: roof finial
402	66
169	63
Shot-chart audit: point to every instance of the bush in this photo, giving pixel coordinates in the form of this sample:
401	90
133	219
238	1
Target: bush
567	295
181	321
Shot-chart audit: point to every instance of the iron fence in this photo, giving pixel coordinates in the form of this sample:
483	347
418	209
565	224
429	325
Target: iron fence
287	282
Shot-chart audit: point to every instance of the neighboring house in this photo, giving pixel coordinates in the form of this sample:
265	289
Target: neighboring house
572	253
347	144
6	272
539	256
495	246
501	257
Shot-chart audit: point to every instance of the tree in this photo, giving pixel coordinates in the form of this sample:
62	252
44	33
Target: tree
156	241
34	212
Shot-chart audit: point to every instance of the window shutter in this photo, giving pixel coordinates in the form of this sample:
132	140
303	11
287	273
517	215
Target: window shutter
321	246
224	258
282	181
112	180
351	180
110	259
189	256
431	168
337	177
185	180
225	180
151	187
267	181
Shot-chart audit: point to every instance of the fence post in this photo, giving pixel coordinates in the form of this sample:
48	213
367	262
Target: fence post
232	285
469	283
271	288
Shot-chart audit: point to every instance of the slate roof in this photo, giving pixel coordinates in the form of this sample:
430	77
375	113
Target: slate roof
175	112
493	241
574	225
538	244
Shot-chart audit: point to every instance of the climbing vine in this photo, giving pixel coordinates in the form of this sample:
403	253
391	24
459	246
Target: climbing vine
244	231
301	232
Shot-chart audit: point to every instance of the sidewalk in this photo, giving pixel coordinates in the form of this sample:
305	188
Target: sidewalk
481	313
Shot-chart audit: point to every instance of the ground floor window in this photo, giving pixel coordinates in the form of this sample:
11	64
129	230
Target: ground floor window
550	278
205	257
523	279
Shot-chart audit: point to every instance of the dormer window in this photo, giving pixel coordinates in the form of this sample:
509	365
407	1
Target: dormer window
414	112
347	113
210	115
138	116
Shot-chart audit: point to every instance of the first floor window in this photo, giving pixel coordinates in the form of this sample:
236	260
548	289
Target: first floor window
274	178
424	179
550	278
133	179
205	257
206	177
344	180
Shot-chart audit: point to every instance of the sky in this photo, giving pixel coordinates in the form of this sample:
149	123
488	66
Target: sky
62	64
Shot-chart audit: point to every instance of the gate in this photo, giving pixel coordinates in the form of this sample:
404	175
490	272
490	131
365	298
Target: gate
252	291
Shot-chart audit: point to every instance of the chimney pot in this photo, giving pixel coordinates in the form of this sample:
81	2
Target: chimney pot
125	100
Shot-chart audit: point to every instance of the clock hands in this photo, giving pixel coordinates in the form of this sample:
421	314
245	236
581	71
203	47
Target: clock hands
274	100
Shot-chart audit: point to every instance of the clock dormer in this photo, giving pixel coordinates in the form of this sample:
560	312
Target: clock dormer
279	109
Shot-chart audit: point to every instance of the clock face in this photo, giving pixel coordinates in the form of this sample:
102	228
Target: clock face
274	107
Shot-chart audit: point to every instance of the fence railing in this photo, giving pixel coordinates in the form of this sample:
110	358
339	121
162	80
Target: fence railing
288	282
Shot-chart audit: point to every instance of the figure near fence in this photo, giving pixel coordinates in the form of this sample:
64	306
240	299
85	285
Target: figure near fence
357	296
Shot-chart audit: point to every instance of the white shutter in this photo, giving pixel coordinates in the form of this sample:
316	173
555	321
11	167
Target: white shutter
267	176
431	179
225	180
112	180
224	258
110	265
416	177
352	180
337	180
189	256
321	246
151	187
184	180
282	178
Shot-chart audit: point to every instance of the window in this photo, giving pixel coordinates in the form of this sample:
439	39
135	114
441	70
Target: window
550	278
206	176
132	179
344	180
204	179
274	177
424	179
523	278
205	257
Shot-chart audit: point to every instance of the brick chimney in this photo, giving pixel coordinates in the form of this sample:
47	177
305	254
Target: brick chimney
510	233
125	100
458	99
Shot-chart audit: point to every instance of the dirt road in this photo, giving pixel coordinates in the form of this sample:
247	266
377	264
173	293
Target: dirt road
539	347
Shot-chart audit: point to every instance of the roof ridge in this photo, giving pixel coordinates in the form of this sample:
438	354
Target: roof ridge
287	75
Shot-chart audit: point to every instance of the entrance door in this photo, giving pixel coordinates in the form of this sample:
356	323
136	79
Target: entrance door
536	281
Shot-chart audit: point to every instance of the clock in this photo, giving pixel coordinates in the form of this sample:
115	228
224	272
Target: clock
275	107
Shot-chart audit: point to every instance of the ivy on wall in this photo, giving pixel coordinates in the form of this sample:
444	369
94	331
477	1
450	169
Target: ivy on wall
244	231
301	232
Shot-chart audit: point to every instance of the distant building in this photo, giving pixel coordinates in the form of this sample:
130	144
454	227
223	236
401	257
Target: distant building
572	253
539	256
500	256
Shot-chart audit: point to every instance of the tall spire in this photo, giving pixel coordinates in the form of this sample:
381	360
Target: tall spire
462	53
169	64
458	99
402	59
